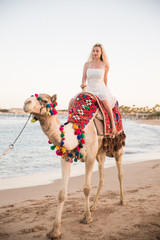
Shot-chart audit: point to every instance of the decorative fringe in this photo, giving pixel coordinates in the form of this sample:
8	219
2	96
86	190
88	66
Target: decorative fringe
113	144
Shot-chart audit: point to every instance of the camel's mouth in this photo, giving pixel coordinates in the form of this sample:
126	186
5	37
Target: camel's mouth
29	105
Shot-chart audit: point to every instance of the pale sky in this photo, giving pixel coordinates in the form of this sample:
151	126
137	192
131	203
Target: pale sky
45	43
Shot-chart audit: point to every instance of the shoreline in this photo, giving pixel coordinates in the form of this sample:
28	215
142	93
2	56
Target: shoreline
28	213
148	121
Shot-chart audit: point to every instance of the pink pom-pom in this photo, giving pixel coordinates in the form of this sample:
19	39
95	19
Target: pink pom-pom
70	112
78	149
49	142
54	112
36	95
51	104
70	160
55	103
77	132
61	129
63	138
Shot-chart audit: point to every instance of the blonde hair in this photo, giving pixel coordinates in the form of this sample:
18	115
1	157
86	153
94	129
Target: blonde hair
103	57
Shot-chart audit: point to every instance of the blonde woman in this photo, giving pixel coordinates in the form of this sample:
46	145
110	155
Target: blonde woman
95	80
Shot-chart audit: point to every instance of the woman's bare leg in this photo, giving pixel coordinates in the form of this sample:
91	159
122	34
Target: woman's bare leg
71	103
110	113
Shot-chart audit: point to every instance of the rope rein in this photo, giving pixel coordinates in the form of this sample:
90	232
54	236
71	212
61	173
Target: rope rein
11	146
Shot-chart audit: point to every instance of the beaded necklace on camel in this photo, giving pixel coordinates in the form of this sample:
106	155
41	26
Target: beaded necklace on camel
69	156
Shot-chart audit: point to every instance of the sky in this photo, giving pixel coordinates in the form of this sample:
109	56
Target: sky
45	43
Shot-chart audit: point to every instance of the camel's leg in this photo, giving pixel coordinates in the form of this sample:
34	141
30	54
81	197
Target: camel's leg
87	189
118	158
65	167
101	160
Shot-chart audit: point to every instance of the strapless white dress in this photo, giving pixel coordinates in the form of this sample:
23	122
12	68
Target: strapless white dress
96	85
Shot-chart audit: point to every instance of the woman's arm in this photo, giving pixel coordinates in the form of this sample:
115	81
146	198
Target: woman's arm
105	74
84	75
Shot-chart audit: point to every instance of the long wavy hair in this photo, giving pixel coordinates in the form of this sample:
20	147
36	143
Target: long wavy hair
103	56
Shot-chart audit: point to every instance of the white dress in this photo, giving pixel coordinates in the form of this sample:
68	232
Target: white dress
96	85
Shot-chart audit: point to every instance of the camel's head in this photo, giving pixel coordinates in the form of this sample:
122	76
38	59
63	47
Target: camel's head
41	104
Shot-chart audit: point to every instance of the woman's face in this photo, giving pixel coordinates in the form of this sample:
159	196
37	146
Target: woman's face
97	52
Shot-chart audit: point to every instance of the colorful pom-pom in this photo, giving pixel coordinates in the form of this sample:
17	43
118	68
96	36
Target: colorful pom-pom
82	141
48	113
78	148
33	120
52	147
75	126
81	156
67	159
70	160
51	104
48	105
62	143
62	135
76	153
51	112
61	128
82	135
63	150
49	142
70	155
57	147
39	98
54	112
79	137
36	95
75	159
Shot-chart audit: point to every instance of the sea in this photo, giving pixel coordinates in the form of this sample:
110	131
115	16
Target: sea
32	163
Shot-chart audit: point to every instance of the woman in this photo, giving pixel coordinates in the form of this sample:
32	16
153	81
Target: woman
95	79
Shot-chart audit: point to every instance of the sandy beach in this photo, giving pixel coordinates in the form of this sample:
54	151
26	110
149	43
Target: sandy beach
28	213
149	121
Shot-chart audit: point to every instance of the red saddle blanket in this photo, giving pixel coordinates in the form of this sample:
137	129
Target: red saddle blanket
86	107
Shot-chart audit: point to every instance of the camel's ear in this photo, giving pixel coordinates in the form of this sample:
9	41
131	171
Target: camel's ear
54	98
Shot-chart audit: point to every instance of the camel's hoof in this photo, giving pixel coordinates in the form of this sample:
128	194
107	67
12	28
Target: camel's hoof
122	202
53	235
93	208
86	220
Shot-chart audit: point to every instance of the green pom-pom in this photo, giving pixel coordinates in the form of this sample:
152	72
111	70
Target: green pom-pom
75	159
62	135
52	147
81	156
82	135
39	98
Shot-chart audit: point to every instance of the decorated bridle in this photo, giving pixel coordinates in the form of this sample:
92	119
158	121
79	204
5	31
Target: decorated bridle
50	107
69	156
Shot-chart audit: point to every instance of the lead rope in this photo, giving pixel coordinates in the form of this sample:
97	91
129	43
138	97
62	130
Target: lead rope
11	146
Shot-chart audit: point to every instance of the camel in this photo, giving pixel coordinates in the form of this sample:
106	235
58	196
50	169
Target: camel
92	149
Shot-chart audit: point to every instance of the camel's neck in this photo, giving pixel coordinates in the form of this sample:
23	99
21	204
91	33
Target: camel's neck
50	126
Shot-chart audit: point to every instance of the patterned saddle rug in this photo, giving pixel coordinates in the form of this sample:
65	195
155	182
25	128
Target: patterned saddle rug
85	109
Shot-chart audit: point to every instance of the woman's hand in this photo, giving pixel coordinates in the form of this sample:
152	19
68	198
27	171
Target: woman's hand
83	85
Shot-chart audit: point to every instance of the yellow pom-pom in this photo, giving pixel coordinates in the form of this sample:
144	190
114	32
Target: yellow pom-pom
63	132
70	115
48	113
63	150
75	126
33	120
57	147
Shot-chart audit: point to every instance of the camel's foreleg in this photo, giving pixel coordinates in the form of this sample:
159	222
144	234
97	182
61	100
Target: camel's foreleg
101	160
87	189
55	232
118	158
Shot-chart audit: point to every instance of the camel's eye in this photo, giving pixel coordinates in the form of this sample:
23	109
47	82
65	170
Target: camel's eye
45	101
